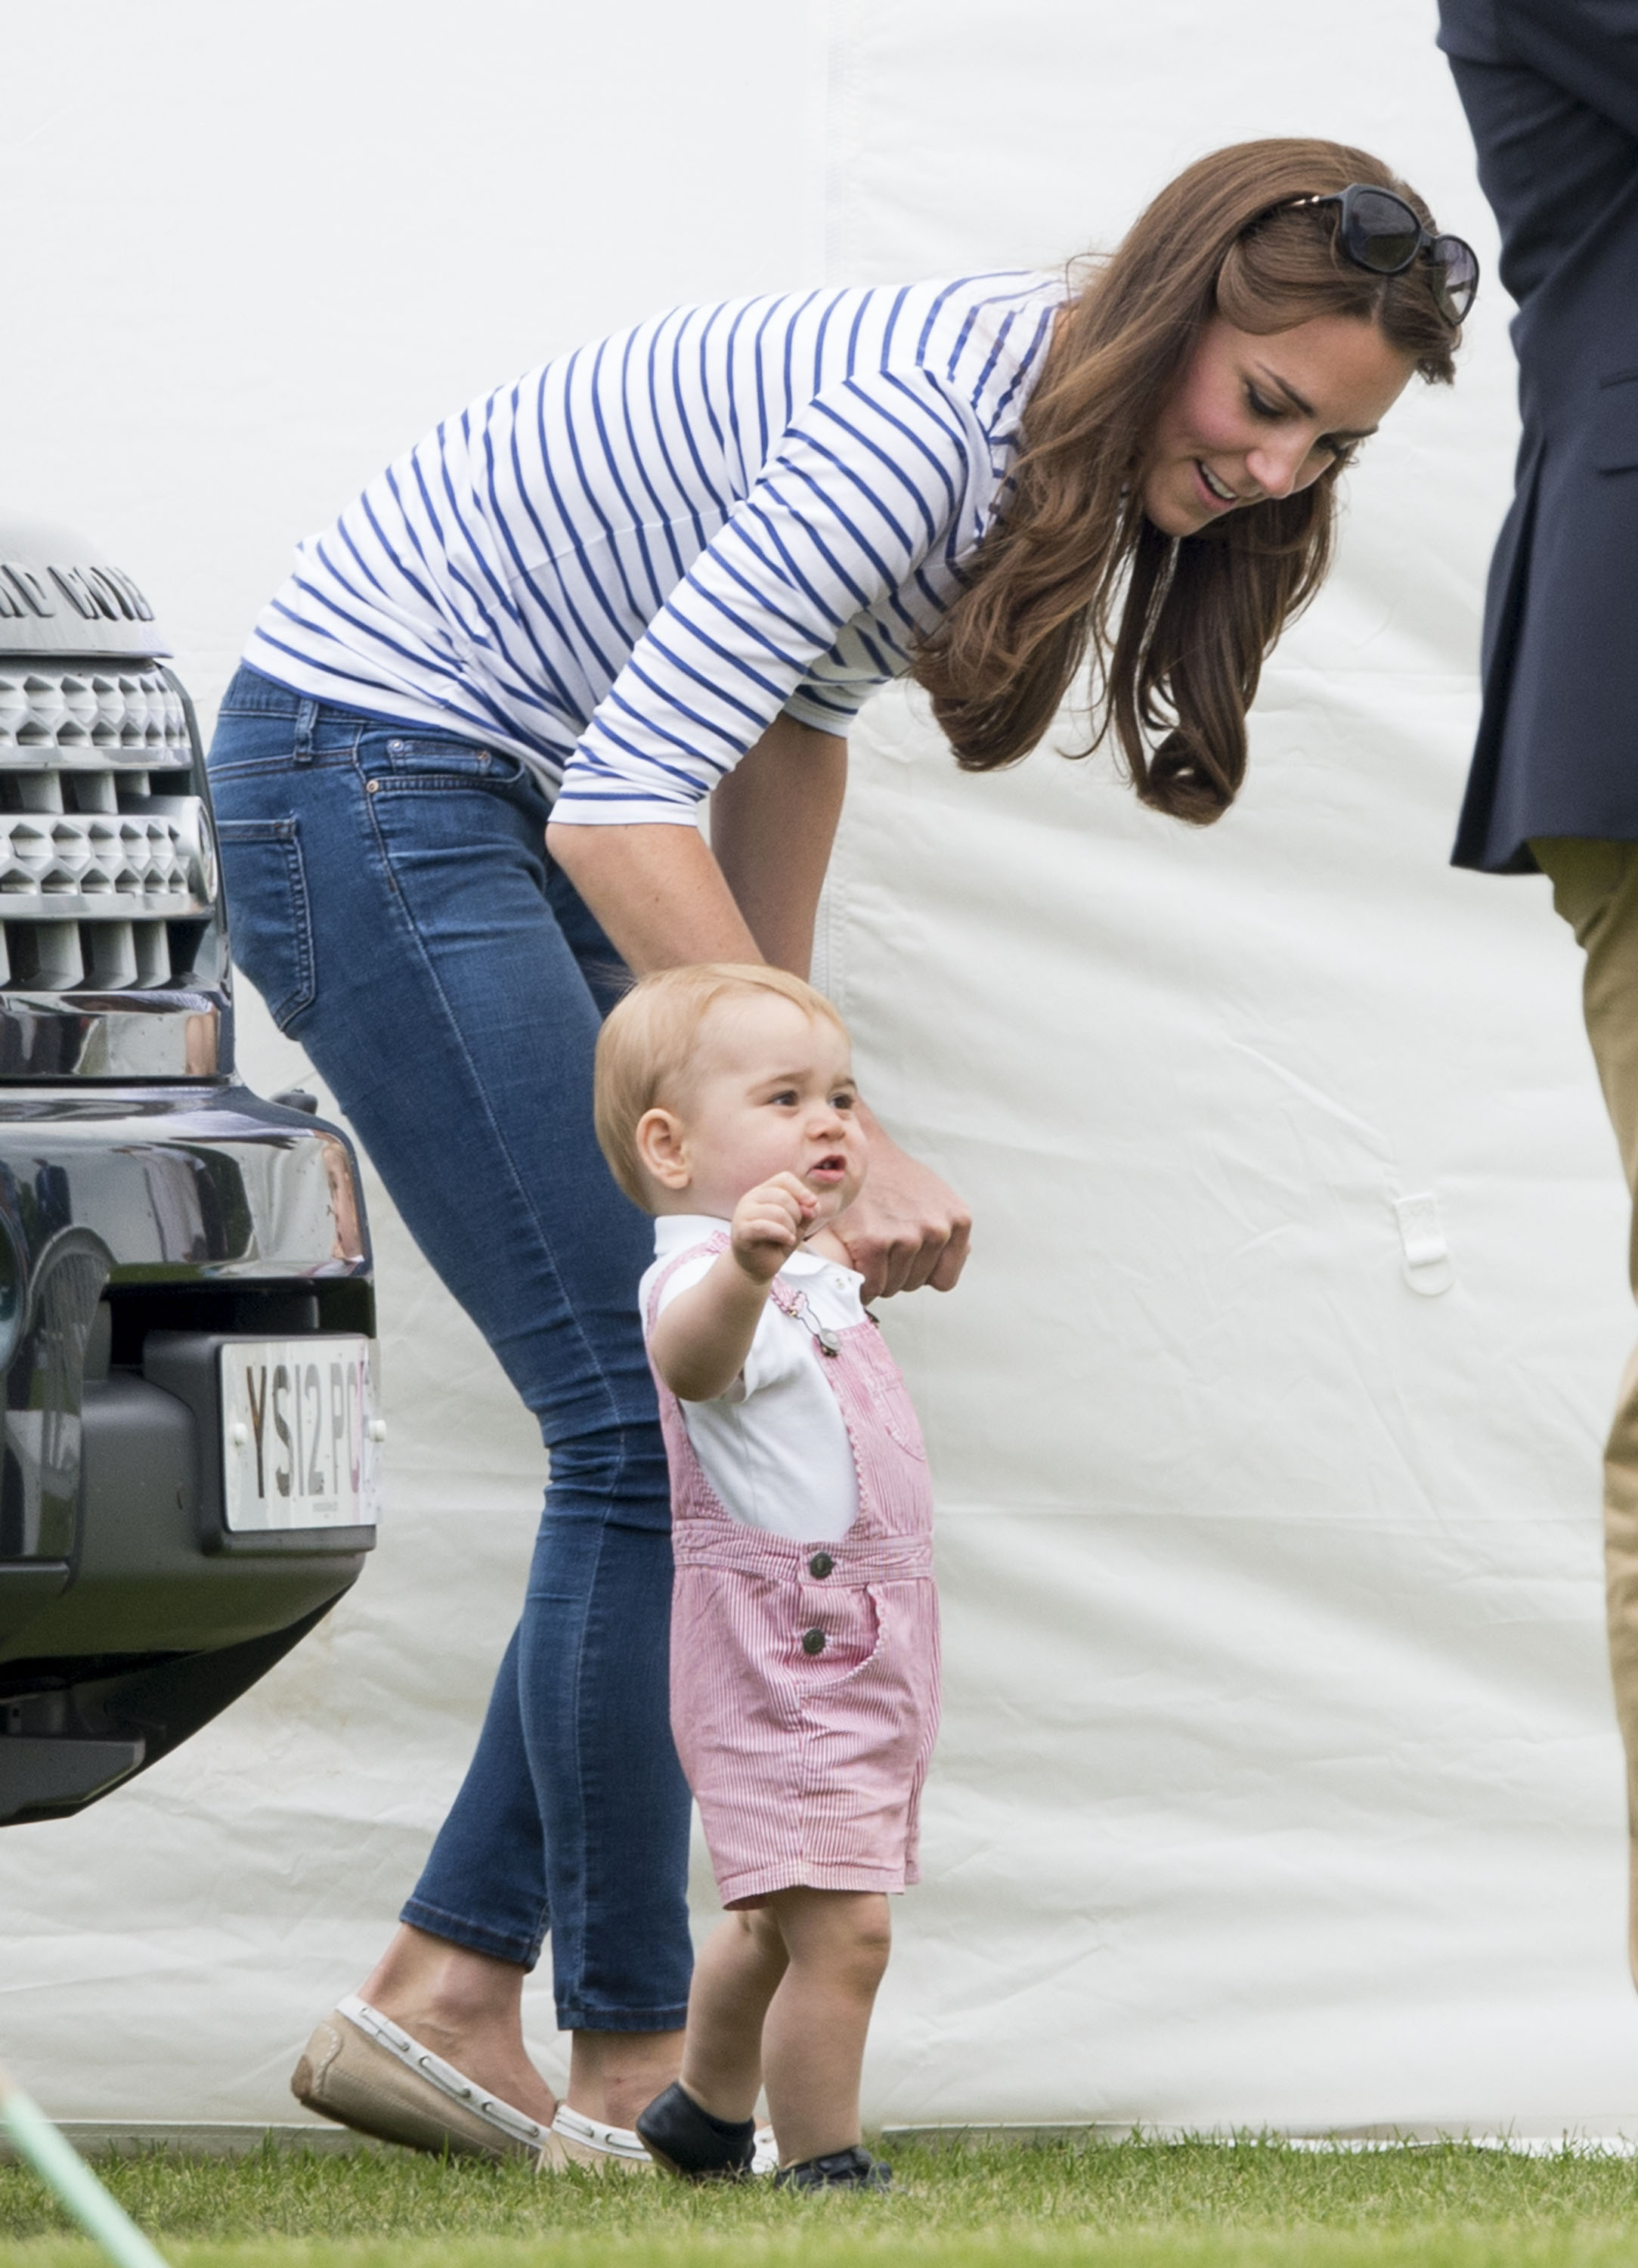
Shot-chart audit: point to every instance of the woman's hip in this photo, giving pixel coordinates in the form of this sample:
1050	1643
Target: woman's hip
388	896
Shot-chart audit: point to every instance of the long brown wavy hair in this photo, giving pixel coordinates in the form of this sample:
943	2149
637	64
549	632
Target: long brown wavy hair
1173	679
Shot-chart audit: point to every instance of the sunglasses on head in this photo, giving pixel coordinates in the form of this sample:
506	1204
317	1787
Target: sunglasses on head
1379	231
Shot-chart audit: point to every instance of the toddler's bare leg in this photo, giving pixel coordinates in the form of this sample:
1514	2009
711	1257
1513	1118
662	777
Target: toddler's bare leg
813	2037
735	1977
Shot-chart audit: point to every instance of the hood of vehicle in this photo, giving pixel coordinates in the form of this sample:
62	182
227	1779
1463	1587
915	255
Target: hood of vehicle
60	593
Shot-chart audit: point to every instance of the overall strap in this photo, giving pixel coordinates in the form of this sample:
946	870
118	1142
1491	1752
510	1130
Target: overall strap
794	1302
711	1244
693	1500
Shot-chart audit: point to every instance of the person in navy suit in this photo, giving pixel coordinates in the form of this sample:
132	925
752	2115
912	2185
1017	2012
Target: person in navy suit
1551	91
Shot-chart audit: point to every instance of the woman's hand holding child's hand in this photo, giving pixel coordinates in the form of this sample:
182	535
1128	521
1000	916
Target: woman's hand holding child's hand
768	1224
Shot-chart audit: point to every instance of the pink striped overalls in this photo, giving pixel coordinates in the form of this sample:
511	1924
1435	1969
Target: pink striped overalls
804	1677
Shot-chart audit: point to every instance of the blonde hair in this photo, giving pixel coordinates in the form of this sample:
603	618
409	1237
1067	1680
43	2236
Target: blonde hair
644	1048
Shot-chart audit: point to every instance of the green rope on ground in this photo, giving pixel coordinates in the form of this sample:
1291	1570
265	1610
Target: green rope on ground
72	2181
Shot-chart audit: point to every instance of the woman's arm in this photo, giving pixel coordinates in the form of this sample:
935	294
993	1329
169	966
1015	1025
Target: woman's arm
773	823
657	892
665	898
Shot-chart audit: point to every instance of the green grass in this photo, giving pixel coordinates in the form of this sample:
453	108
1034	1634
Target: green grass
1130	2204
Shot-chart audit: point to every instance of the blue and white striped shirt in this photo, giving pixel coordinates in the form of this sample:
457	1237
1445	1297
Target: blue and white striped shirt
624	567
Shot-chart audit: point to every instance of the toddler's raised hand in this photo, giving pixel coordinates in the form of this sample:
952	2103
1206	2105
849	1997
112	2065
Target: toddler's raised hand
767	1225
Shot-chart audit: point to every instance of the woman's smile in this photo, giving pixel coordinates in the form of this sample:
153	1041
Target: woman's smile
1218	492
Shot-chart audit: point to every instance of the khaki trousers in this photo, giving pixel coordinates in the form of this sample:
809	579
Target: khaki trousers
1595	886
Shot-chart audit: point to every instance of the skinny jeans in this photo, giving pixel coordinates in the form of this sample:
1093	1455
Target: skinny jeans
390	899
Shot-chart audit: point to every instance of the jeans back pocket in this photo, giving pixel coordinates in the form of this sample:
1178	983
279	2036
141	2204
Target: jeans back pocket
270	917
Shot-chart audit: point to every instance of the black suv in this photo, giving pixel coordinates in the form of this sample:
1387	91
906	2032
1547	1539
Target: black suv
190	1444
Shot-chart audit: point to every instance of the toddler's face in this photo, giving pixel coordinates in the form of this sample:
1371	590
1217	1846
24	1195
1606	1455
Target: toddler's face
770	1091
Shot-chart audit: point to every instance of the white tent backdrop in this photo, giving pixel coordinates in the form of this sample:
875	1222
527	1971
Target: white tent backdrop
1279	1781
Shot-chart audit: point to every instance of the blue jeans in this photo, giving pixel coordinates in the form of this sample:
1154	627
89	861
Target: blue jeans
392	900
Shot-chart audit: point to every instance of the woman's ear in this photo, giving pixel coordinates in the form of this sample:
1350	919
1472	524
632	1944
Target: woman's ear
662	1149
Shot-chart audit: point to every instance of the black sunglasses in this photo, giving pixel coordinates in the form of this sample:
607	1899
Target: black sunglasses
1379	231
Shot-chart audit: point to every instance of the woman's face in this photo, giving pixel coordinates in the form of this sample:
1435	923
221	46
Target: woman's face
1262	414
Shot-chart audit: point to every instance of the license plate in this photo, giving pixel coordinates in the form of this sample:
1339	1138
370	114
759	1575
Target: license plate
301	1434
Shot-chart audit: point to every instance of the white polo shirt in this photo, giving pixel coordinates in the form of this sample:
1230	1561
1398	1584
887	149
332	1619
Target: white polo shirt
775	1446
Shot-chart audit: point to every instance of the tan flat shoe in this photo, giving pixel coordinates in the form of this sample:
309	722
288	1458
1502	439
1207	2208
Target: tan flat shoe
366	2071
601	2149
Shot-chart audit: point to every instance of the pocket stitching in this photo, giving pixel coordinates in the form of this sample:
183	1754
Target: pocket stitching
399	784
286	833
811	1681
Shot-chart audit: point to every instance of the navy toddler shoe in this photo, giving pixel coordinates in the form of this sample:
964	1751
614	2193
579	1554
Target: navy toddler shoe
841	2169
687	2142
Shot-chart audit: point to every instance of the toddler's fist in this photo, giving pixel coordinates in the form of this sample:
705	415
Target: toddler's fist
767	1225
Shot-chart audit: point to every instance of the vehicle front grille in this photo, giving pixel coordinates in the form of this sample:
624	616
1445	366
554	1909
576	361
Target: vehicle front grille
69	710
107	874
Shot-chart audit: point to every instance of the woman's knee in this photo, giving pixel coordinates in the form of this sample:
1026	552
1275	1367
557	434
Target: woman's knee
613	1474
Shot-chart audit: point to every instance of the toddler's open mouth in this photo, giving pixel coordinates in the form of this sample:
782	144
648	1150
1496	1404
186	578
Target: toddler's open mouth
829	1169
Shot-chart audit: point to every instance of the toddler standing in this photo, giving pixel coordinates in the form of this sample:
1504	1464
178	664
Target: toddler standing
805	1624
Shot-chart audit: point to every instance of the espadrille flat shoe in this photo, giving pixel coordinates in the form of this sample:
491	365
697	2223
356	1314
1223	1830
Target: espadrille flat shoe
365	2071
601	2149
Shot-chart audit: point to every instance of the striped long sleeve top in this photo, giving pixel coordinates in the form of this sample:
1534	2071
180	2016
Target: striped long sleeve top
623	567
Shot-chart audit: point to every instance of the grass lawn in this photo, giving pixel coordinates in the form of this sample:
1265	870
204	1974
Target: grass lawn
1139	2205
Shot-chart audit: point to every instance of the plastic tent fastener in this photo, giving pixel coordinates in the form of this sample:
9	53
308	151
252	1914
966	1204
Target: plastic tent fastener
1426	1262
